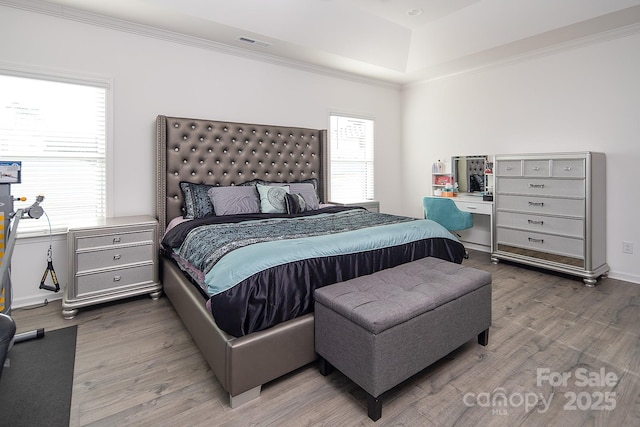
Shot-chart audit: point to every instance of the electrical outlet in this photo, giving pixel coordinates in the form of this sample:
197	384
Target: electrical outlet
627	247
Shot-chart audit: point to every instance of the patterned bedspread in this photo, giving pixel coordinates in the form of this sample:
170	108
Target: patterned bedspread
262	269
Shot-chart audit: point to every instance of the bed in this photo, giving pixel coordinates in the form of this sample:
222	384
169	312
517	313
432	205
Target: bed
226	154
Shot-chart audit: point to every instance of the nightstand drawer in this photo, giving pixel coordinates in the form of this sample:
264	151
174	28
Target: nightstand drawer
112	280
107	258
107	240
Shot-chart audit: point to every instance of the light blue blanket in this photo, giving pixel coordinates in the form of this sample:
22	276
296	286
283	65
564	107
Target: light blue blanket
243	262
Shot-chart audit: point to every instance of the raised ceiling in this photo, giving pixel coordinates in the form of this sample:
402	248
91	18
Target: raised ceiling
396	41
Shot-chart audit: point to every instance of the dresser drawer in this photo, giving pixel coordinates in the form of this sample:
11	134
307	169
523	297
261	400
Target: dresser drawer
106	240
508	168
542	187
88	284
570	168
541	242
541	205
106	258
541	224
535	167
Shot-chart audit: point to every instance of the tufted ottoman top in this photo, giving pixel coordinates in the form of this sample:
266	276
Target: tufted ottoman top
389	297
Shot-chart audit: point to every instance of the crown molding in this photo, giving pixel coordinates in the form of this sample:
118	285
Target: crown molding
475	63
460	70
95	19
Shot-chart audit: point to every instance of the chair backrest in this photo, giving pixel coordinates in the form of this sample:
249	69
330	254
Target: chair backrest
445	212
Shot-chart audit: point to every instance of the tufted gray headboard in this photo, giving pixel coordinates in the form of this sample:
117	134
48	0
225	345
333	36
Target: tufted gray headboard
227	153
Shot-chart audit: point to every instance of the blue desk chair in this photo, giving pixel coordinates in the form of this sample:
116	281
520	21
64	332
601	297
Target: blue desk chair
445	212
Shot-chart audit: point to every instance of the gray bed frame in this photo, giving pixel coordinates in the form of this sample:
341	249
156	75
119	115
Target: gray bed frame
227	153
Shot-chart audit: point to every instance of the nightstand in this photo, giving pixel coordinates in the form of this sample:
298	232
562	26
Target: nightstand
370	205
110	259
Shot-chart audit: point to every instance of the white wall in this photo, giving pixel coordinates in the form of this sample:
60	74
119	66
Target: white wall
582	99
151	76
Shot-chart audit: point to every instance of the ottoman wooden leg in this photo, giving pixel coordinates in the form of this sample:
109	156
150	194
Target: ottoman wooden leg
483	337
374	407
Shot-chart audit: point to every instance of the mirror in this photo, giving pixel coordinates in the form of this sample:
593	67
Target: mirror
473	174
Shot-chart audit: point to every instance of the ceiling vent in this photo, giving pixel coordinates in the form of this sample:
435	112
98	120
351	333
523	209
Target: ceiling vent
253	41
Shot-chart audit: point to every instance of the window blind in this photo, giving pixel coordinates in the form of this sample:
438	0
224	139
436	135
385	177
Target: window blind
58	130
351	158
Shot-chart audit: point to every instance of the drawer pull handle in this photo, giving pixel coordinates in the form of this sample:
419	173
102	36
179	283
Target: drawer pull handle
117	257
536	204
536	185
116	240
531	239
117	278
471	207
508	168
531	221
567	168
536	168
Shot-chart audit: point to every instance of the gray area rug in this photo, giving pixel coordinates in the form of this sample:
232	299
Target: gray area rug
35	389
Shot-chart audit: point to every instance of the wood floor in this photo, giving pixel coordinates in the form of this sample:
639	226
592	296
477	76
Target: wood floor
137	365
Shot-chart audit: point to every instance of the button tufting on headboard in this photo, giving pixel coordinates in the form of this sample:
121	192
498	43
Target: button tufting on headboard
226	153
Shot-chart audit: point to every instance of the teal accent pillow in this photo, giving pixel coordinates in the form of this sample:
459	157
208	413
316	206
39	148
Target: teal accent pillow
272	198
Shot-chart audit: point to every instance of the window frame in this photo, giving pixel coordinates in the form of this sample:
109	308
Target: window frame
355	116
52	75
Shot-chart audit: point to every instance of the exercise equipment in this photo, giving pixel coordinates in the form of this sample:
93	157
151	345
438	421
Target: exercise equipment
10	173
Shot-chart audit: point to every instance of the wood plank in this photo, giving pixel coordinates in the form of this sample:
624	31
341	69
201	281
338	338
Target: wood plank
137	365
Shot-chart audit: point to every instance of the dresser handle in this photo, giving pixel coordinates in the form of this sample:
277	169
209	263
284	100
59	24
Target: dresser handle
536	168
116	240
117	257
117	278
531	239
472	207
536	204
508	168
531	221
567	168
536	185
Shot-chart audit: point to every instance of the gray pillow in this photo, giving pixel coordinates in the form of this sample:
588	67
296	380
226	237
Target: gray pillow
234	200
308	193
272	198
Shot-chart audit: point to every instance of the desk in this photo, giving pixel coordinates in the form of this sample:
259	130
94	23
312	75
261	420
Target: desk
478	237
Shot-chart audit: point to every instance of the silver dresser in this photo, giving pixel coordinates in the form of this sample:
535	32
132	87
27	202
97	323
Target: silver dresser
550	212
110	259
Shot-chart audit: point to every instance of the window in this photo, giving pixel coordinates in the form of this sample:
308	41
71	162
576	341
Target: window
351	151
57	130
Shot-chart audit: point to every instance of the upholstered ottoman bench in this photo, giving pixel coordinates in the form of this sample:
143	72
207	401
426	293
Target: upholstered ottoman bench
381	329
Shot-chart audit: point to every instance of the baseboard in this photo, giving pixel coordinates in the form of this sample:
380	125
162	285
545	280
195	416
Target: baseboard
476	247
624	276
34	300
